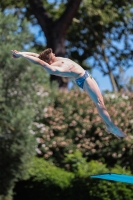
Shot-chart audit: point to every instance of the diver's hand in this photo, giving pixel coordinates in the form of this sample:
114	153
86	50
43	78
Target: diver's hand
16	54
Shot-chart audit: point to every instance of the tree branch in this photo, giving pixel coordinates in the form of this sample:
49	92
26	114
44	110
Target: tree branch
41	15
46	21
66	18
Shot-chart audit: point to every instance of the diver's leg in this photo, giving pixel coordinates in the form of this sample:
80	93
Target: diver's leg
91	87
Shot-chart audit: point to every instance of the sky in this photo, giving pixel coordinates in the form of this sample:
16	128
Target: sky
103	81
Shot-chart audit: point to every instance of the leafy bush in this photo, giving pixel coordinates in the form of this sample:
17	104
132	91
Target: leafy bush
42	170
49	182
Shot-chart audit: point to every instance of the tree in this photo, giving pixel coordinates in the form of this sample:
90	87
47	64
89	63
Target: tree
130	84
105	34
18	99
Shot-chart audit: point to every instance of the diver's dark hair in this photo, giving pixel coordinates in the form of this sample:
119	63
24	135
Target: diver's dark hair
45	55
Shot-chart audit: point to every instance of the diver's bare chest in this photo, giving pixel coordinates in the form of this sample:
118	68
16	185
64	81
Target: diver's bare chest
65	64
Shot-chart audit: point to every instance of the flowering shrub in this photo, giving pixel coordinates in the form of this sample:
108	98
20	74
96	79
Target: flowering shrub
71	122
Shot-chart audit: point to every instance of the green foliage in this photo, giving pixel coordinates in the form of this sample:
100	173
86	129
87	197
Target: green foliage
12	30
81	167
108	11
49	182
55	8
42	170
19	84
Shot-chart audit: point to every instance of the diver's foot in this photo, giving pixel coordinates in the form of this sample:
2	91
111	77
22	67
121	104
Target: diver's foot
108	128
115	131
119	133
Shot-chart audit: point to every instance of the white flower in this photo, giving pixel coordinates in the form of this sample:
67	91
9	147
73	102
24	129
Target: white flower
124	96
131	121
38	151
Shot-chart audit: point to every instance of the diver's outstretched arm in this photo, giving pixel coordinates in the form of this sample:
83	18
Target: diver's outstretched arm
24	53
51	69
31	54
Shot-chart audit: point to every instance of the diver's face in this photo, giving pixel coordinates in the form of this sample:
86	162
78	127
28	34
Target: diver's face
52	58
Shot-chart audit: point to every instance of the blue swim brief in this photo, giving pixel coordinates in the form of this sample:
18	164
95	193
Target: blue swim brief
80	81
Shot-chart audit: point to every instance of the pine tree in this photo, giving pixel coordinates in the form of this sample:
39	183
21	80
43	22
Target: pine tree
18	100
